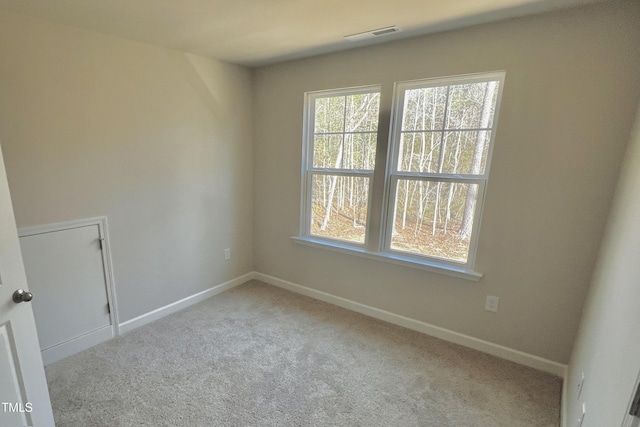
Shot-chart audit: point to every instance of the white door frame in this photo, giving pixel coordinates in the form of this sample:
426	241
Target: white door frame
629	419
103	230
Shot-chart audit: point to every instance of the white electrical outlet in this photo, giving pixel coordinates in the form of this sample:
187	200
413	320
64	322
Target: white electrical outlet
492	303
227	254
580	385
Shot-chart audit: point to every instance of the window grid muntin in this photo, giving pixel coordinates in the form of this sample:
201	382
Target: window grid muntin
346	133
443	150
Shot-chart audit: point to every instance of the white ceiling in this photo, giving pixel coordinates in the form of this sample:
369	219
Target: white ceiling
256	32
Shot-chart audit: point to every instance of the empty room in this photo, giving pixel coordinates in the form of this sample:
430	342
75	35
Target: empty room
305	213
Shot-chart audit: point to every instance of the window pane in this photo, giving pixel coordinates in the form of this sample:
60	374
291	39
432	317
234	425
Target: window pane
359	151
329	115
339	207
434	149
424	108
465	152
327	151
471	106
362	112
351	113
434	218
419	151
345	131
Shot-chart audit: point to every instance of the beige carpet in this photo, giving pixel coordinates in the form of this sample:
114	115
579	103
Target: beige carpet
261	356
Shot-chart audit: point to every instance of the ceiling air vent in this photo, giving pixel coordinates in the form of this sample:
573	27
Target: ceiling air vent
372	33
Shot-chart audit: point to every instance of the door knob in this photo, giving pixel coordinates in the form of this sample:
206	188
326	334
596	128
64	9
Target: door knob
22	296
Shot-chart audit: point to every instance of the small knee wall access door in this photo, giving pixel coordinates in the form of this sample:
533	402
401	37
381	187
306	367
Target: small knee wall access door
66	272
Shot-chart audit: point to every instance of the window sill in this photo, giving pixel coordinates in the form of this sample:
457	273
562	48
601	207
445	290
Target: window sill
404	260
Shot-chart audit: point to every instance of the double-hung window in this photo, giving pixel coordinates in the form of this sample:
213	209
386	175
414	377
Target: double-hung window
438	158
341	135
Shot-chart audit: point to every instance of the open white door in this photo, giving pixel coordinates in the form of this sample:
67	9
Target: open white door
24	396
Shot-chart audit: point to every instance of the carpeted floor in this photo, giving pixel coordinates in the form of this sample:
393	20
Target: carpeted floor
261	356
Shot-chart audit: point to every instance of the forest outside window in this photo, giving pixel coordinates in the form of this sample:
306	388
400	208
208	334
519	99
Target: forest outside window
439	154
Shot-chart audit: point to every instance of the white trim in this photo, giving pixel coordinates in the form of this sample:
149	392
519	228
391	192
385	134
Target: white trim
497	350
355	173
59	226
161	312
395	257
563	400
76	345
107	263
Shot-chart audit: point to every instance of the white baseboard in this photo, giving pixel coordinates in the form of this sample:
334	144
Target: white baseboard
161	312
493	349
497	350
76	345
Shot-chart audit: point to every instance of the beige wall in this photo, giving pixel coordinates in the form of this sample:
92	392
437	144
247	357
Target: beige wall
156	140
568	105
607	346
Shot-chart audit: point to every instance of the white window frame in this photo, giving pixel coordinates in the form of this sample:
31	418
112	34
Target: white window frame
384	252
392	174
308	170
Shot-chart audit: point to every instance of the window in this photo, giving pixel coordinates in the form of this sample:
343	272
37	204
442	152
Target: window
438	159
341	140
